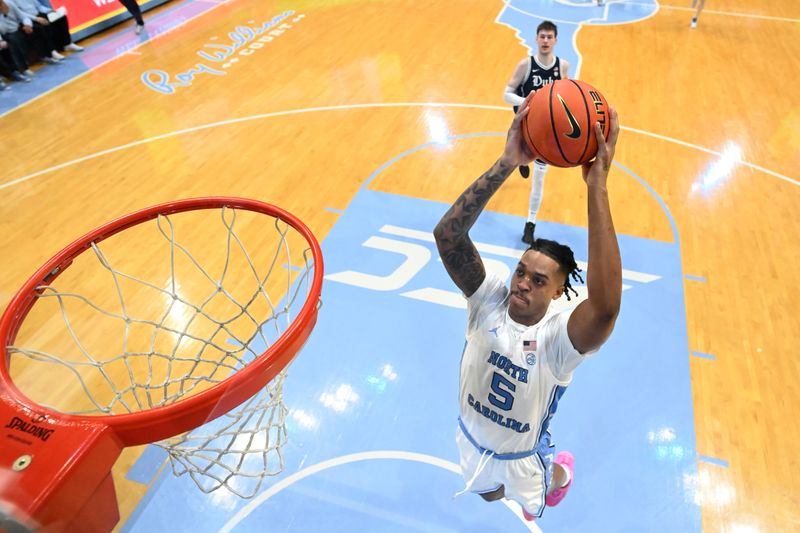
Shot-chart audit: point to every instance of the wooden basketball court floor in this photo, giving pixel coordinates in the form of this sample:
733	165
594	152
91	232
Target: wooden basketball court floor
405	98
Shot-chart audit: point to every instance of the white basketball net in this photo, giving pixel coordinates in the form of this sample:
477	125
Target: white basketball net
153	355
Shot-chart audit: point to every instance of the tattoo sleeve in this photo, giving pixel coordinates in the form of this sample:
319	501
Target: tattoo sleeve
458	253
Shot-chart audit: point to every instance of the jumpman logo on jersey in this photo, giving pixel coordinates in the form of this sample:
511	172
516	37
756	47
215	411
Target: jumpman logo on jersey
494	330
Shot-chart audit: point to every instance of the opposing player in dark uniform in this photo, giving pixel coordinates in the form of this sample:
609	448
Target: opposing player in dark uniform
531	74
698	4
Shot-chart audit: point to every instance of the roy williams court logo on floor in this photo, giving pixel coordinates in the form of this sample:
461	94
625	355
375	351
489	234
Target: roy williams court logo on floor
219	57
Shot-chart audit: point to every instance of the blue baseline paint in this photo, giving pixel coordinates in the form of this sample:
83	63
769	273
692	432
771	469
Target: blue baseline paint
713	461
704	355
146	466
153	493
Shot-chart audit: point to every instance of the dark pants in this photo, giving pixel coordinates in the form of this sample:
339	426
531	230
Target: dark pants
17	49
58	31
40	40
134	10
5	63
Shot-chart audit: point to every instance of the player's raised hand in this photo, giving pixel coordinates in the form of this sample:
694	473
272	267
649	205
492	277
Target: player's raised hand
517	152
595	172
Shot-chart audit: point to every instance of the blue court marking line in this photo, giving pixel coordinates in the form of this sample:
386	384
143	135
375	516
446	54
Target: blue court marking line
141	507
704	355
713	460
695	278
655	195
334	210
635	176
146	467
426	145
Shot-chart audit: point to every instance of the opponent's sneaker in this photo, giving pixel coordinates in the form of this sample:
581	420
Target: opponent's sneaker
527	233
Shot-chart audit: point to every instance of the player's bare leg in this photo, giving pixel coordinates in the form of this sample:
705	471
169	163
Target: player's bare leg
563	471
699	4
535	202
497	494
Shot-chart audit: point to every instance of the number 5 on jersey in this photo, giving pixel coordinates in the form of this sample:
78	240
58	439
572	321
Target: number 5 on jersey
502	389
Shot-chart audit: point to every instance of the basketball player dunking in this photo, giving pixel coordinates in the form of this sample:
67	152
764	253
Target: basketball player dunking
519	358
531	74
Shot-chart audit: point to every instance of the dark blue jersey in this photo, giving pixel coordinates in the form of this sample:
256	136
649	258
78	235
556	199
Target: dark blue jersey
538	77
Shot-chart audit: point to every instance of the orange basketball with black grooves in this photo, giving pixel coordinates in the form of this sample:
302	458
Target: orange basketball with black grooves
559	125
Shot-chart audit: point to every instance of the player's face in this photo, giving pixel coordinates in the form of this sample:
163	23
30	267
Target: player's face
536	282
546	40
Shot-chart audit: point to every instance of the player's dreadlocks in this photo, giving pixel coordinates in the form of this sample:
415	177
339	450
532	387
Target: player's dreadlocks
562	255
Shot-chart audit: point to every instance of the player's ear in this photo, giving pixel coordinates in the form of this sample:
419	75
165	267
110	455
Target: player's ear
558	293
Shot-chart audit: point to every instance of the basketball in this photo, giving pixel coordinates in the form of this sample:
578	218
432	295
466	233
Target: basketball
559	125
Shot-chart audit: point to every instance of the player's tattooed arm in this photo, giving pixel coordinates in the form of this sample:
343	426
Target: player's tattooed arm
458	253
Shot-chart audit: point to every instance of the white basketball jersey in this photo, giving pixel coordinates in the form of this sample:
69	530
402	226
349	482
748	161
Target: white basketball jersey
512	376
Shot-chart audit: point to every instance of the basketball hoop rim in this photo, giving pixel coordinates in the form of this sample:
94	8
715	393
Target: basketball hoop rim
184	414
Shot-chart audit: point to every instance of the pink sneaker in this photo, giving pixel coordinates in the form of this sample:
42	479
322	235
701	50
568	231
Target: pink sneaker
566	460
